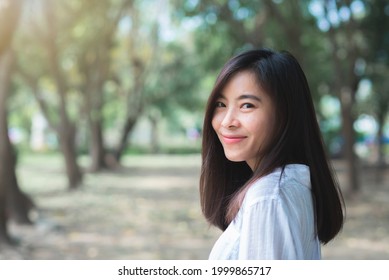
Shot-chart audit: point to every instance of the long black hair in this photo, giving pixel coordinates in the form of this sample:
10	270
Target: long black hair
296	138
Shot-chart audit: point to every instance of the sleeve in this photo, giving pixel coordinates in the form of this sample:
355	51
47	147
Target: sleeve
266	232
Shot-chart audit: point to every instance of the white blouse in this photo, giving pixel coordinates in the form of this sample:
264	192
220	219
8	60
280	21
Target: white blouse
275	221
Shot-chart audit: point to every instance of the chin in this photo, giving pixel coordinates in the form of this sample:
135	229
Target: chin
234	158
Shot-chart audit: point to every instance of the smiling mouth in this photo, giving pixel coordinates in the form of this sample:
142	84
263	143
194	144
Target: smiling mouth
232	139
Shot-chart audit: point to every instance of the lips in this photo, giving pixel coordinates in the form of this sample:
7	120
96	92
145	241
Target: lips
232	139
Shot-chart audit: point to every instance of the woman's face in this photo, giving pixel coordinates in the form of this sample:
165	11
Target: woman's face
243	119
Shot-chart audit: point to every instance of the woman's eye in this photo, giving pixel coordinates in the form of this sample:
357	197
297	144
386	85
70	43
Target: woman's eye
247	106
220	104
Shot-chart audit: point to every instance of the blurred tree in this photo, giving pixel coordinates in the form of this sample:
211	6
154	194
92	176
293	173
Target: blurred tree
101	23
173	86
138	51
223	27
346	45
376	29
13	202
146	68
292	27
46	38
66	128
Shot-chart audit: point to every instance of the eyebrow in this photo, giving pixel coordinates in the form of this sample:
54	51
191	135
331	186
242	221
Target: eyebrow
244	96
249	96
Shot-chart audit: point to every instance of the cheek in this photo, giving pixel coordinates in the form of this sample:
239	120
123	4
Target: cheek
216	119
254	124
261	127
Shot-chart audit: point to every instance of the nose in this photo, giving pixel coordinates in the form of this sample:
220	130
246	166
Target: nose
230	119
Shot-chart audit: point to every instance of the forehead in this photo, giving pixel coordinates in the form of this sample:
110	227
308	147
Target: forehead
240	83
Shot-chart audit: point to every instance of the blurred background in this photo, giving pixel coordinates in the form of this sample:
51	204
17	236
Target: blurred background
101	107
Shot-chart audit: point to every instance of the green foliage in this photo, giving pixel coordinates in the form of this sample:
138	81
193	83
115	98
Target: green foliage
171	76
175	84
376	30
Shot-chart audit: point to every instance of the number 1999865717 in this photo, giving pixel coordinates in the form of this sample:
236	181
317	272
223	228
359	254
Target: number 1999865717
250	270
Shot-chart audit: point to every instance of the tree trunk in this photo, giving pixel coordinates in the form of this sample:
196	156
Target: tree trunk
93	108
154	133
9	15
13	202
68	148
19	204
97	150
380	141
381	164
5	159
349	138
130	123
96	74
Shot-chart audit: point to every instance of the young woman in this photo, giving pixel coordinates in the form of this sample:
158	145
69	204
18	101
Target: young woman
265	178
